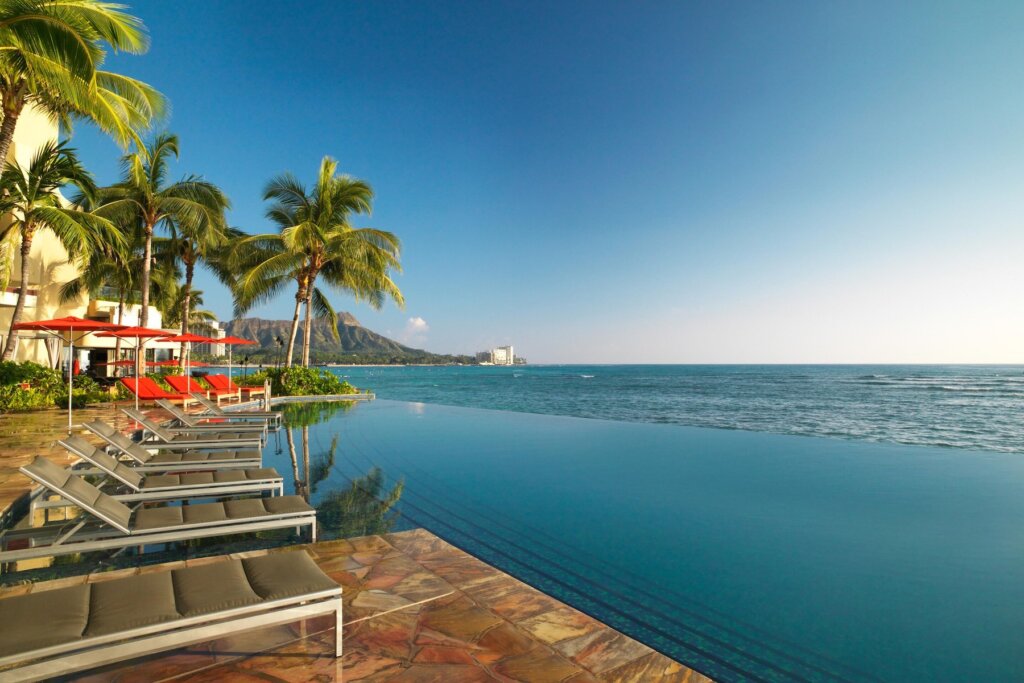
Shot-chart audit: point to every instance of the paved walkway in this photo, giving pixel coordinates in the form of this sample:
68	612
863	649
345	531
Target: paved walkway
23	436
416	609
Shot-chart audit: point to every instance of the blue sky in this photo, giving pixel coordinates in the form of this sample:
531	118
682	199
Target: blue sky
634	182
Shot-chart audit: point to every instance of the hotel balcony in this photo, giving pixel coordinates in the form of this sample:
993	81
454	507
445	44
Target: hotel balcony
9	297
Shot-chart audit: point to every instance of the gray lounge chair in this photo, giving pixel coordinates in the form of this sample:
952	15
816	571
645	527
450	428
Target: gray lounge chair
169	440
172	486
120	526
214	410
66	630
207	431
147	461
226	422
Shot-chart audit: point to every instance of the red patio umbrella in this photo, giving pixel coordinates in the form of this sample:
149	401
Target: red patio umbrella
169	363
232	342
68	325
139	334
188	339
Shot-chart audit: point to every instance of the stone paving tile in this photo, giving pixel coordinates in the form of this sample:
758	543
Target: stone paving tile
406	619
23	436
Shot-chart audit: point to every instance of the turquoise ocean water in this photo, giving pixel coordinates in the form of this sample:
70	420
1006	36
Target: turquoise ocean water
978	407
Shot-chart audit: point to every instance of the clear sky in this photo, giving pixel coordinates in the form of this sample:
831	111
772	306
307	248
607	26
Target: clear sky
634	181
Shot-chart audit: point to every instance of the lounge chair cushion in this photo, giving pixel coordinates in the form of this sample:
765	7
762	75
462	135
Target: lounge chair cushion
283	505
148	519
285	574
103	460
204	456
42	619
131	602
212	587
209	478
80	491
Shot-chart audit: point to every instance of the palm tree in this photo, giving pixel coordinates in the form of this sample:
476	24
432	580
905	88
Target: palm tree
50	54
30	197
315	241
113	267
144	197
195	243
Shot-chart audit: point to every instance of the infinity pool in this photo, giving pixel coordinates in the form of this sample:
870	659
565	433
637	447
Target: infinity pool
751	557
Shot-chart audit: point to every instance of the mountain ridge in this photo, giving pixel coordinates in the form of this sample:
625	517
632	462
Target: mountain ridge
353	338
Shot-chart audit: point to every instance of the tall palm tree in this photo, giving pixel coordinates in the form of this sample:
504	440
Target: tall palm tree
316	240
111	266
144	196
192	244
50	54
29	196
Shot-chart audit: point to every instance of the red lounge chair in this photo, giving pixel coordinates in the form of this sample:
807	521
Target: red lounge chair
225	382
148	390
188	385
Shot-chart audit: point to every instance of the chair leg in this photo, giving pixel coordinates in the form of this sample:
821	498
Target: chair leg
337	630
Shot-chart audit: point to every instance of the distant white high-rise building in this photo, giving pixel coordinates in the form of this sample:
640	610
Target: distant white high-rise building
503	355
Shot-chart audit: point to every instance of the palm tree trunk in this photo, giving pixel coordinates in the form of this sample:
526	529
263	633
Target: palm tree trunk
19	307
295	462
186	303
305	461
147	256
295	327
120	319
307	332
12	110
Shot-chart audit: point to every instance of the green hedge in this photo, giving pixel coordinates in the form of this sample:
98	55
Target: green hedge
48	388
300	382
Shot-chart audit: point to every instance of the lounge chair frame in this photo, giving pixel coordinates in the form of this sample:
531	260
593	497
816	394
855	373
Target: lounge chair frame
145	467
116	535
192	385
215	490
228	384
162	442
224	423
88	653
184	427
213	410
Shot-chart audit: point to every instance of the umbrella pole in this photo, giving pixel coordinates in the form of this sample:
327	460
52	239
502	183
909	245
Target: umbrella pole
138	344
71	373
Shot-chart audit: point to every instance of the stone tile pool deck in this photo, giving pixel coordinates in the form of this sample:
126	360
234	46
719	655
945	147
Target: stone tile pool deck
416	609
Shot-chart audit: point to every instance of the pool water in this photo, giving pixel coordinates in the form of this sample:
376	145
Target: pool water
748	556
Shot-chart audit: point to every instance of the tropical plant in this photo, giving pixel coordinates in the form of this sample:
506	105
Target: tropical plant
145	198
199	243
113	267
50	54
299	381
29	196
317	241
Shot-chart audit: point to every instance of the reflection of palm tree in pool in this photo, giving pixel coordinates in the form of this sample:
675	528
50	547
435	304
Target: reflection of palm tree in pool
322	466
295	463
364	506
303	415
360	509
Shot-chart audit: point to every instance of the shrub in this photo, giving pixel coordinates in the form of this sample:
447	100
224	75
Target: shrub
40	377
48	388
301	382
15	399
